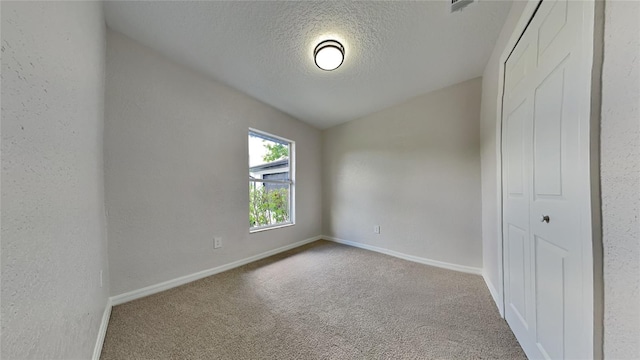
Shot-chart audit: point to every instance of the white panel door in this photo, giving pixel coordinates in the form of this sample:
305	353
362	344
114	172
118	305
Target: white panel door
543	112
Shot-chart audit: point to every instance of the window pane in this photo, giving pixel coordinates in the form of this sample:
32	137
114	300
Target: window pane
267	155
268	204
270	180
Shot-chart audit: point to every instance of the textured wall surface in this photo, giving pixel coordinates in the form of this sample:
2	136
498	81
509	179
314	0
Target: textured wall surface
620	179
413	169
53	224
395	50
490	151
176	169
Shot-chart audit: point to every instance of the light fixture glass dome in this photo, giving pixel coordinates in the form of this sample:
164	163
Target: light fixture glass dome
329	55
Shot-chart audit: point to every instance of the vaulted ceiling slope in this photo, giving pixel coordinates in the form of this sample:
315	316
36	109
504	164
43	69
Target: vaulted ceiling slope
394	50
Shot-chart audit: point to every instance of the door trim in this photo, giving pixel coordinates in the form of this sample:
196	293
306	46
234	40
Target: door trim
591	216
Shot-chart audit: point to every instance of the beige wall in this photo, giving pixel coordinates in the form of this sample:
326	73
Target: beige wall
620	179
176	169
53	222
413	169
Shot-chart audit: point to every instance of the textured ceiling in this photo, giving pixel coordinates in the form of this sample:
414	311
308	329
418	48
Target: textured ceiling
394	50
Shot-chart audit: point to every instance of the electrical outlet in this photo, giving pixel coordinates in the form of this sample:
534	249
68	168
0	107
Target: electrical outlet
217	242
376	229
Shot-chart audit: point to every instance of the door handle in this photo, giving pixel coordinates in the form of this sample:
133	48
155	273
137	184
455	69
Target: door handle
544	218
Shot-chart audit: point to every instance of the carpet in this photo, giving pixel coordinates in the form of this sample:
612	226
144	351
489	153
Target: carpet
319	301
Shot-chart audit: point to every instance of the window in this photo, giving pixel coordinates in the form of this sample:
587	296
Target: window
271	181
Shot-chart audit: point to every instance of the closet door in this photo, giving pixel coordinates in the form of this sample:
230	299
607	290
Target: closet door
543	189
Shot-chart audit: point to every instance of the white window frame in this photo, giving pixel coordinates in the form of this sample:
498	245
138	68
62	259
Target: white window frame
291	182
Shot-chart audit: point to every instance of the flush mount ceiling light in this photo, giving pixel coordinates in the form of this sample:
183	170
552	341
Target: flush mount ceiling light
329	55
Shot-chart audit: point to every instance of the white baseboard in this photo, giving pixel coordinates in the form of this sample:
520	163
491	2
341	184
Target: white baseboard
421	260
494	294
166	285
102	332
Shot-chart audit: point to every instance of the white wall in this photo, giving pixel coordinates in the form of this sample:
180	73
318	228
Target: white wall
176	169
413	169
620	179
53	224
490	152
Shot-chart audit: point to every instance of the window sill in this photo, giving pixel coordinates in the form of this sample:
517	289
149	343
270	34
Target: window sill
261	229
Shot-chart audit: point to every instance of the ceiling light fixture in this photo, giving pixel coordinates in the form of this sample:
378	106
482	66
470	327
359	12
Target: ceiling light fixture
329	55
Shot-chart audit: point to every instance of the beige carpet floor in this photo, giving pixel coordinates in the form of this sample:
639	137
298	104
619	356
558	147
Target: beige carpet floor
319	301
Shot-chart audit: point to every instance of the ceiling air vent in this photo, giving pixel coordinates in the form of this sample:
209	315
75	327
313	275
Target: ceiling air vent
457	5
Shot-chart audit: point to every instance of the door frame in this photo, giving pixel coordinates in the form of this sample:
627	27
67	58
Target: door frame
591	216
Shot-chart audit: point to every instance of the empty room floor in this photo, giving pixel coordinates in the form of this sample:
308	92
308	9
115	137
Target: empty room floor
319	301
